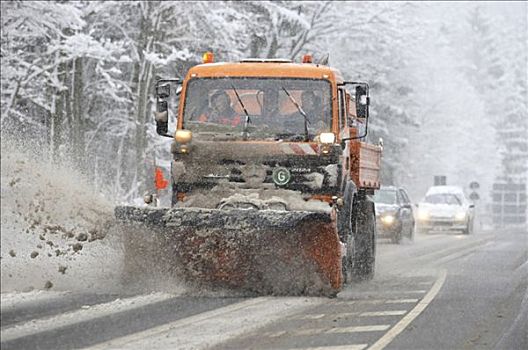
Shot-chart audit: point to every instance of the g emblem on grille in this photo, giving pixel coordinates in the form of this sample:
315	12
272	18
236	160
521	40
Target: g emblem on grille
281	176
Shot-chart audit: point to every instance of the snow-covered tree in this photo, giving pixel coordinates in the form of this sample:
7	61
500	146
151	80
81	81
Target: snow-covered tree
375	42
82	74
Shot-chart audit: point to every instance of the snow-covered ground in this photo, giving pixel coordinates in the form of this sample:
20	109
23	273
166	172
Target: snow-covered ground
56	232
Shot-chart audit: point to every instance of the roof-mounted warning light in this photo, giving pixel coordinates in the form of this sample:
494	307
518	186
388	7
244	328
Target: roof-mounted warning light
208	57
307	59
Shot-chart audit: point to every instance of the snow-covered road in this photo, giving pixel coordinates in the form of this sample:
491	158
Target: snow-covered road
429	294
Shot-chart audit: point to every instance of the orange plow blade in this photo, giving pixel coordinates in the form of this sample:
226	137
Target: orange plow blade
260	252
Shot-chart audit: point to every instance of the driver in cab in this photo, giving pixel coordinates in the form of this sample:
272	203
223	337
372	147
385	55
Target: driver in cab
220	111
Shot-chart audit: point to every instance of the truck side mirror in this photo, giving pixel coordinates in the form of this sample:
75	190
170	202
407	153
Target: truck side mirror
161	115
162	109
163	91
362	101
361	113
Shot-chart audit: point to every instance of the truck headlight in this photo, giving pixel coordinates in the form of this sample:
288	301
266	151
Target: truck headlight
387	219
327	137
183	136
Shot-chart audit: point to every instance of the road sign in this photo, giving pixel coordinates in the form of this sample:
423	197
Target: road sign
474	185
440	180
509	204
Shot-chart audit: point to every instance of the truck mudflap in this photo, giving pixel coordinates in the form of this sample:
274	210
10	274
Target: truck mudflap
255	251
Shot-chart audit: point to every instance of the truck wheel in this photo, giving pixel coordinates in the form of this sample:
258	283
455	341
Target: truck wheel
364	255
345	233
348	262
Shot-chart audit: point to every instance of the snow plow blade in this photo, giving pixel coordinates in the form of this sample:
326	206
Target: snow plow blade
256	251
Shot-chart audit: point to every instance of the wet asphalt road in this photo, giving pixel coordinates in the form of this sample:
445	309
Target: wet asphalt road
444	291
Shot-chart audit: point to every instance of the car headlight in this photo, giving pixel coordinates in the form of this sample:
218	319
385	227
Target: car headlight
387	219
460	216
423	214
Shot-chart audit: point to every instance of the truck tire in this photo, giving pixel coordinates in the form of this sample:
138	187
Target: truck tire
346	232
348	262
364	255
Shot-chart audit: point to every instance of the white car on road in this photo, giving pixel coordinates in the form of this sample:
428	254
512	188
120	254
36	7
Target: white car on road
445	208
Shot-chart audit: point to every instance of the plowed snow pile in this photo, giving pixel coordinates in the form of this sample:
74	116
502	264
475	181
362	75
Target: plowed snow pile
56	232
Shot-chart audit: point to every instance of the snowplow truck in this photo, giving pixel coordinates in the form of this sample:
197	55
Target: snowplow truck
271	181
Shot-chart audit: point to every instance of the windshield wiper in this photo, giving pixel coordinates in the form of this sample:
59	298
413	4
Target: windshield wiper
248	120
299	108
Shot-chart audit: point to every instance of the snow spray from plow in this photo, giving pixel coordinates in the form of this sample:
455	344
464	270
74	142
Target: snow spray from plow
254	251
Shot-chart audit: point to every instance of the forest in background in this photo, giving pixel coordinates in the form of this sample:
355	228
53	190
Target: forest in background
448	81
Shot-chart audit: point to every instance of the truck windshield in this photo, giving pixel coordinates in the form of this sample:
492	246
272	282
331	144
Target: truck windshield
212	106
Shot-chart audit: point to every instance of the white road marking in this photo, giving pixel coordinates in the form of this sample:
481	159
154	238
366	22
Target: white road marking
419	291
80	315
355	313
407	319
214	327
401	301
355	329
345	314
361	301
14	300
275	335
452	250
425	283
309	316
383	313
326	330
462	253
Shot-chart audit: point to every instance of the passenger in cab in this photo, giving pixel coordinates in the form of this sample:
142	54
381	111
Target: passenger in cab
220	111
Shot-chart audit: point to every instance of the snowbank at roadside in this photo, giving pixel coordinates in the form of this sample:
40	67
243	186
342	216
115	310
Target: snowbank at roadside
56	232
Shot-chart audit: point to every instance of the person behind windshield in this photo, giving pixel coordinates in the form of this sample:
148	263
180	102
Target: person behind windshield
220	111
311	105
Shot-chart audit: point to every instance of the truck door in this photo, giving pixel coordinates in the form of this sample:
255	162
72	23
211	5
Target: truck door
343	132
